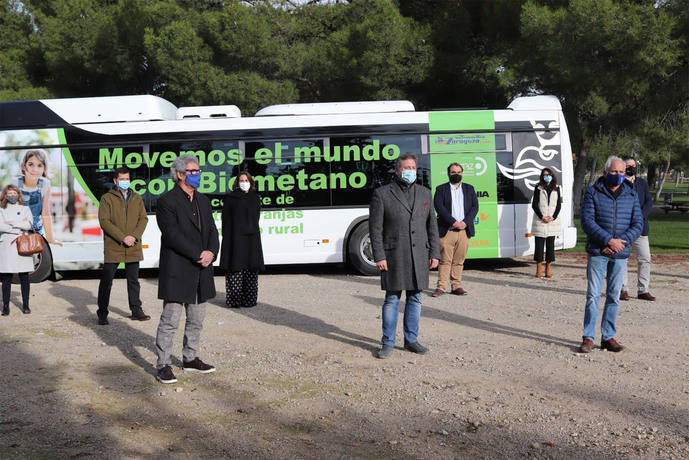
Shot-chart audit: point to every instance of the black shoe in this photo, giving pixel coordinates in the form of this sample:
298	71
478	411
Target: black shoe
6	309
196	365
415	347
103	320
139	315
384	352
25	309
165	375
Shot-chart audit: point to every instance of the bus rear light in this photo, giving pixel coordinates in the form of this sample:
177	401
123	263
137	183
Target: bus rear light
144	246
528	235
326	241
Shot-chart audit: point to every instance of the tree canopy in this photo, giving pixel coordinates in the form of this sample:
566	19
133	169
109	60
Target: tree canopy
619	67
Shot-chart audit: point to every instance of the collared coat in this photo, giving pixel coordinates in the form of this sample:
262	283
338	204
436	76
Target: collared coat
182	240
406	237
548	205
119	218
443	206
604	217
13	219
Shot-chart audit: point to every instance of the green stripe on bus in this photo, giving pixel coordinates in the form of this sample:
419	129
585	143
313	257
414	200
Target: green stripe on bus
461	121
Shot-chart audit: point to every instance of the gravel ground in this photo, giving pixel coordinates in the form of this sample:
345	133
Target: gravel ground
297	376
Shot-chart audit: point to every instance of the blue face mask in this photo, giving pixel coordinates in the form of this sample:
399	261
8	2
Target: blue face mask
547	179
123	184
613	180
409	176
193	180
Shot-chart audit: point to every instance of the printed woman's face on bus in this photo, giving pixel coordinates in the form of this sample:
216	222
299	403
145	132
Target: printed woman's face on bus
34	167
243	178
12	192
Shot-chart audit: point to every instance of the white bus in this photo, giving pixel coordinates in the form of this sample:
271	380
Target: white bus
315	166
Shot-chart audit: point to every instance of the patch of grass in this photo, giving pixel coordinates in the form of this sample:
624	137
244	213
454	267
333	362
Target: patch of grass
669	233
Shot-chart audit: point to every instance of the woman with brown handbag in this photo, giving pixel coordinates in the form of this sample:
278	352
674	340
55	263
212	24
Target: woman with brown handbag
14	218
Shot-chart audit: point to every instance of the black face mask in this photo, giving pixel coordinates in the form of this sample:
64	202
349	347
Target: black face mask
12	199
630	171
455	178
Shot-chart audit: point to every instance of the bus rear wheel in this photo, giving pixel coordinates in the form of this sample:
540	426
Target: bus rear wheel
360	252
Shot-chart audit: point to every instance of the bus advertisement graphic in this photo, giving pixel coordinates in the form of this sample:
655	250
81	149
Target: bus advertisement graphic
475	152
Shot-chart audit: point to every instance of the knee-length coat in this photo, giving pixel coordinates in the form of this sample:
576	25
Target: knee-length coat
407	237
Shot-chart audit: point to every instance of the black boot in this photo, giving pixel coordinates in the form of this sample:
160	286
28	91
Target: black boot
25	307
5	309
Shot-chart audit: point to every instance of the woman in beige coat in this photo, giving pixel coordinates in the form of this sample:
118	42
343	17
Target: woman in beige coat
14	218
546	204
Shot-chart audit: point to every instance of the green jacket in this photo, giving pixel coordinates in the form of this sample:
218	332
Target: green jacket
118	219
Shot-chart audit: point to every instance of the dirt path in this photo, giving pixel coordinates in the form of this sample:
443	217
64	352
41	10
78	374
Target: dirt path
297	377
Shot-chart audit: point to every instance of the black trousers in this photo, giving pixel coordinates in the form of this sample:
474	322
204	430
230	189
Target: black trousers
7	287
549	242
241	288
131	271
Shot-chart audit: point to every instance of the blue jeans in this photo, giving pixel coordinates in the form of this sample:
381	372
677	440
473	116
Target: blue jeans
613	270
412	313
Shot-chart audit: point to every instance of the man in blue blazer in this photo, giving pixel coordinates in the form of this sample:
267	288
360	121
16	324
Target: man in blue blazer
641	246
457	205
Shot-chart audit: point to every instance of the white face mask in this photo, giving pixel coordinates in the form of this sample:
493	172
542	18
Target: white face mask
245	186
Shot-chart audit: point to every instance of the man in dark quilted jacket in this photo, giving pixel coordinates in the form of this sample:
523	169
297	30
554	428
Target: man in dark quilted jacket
612	220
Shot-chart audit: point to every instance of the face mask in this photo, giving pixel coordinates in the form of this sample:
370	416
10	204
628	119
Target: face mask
12	199
630	171
193	180
123	184
244	186
455	178
409	176
547	179
613	180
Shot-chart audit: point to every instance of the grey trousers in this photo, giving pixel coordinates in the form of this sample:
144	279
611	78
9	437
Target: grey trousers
643	256
169	319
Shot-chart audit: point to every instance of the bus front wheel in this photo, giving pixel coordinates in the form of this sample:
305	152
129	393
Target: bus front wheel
359	251
43	265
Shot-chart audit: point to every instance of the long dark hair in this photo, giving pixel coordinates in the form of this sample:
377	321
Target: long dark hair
235	186
553	183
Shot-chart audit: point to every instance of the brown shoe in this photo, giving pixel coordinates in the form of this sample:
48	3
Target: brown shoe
459	291
139	315
611	345
437	293
586	346
624	295
646	296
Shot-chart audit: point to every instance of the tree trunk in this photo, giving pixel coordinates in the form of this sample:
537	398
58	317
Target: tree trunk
662	178
594	169
579	175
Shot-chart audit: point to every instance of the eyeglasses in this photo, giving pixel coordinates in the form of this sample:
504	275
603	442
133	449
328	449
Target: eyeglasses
192	171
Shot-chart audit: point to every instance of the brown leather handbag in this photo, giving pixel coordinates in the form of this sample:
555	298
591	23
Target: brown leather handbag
29	243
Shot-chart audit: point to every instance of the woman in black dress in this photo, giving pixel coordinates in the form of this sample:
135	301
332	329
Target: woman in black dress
241	254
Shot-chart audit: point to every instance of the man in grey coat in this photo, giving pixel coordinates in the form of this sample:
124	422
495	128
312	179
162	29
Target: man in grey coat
404	237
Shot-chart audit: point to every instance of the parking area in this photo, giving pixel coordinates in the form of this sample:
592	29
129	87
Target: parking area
297	376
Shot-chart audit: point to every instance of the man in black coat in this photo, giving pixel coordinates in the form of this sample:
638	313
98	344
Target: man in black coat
404	239
188	245
641	246
457	205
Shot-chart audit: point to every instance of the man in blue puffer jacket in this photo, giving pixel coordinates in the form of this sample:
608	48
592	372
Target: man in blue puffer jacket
612	220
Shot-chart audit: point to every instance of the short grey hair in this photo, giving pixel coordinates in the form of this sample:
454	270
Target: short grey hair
611	159
180	165
406	156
